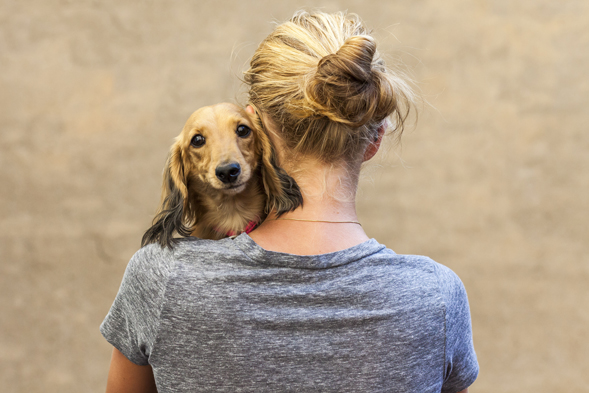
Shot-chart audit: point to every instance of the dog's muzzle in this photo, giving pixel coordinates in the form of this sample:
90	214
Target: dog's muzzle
228	173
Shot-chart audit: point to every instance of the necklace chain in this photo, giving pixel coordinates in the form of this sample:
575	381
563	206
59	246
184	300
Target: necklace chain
331	222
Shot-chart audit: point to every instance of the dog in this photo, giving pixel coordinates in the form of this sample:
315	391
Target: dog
221	178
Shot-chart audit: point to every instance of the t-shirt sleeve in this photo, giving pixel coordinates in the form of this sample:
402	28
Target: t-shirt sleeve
131	324
461	367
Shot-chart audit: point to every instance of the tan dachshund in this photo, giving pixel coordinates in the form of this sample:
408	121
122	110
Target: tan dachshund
220	179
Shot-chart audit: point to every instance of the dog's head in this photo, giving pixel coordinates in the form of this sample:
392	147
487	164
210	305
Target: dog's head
218	151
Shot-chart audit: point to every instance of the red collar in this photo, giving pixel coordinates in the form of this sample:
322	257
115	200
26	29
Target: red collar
248	228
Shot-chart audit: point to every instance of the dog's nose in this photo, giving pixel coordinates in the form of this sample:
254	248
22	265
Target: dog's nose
228	173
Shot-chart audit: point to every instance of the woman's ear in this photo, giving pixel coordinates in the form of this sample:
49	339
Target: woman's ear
282	192
373	146
171	215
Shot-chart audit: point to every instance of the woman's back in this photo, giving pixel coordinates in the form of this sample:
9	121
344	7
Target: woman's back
229	316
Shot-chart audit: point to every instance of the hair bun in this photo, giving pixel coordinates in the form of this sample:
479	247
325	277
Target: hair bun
320	79
355	57
345	88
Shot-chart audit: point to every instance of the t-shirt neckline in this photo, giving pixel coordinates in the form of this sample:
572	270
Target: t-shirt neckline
319	261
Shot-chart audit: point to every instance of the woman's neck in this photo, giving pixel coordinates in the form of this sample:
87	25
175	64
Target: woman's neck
328	195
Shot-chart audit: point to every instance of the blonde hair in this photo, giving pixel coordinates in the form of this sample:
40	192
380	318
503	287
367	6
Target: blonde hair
321	81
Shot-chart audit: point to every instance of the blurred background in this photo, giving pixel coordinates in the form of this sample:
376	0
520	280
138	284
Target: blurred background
493	181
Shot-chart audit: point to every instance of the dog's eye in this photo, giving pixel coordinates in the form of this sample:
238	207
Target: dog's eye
243	131
197	140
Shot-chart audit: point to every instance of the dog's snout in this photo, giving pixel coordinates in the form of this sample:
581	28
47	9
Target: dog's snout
228	173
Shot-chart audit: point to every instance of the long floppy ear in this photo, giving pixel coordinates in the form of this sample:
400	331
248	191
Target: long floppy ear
171	214
282	192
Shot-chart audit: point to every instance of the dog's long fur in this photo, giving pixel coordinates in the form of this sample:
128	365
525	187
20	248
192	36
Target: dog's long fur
196	203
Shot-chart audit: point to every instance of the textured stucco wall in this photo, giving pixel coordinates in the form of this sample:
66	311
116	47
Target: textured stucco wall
493	181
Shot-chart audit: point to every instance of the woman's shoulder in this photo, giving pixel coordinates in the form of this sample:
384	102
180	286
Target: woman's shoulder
155	259
414	262
419	267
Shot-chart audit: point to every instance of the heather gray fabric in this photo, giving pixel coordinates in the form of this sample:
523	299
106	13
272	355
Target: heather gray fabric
229	316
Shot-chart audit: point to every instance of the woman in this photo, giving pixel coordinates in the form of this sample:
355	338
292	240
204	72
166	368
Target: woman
306	302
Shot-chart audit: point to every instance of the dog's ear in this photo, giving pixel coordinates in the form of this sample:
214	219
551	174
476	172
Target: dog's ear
282	192
171	216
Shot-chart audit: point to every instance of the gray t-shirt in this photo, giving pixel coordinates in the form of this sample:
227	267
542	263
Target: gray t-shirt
229	316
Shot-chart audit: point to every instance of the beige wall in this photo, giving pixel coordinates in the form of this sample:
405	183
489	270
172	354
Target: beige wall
492	182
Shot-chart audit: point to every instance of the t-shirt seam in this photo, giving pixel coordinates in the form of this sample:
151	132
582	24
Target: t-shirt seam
463	383
172	267
445	307
445	340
